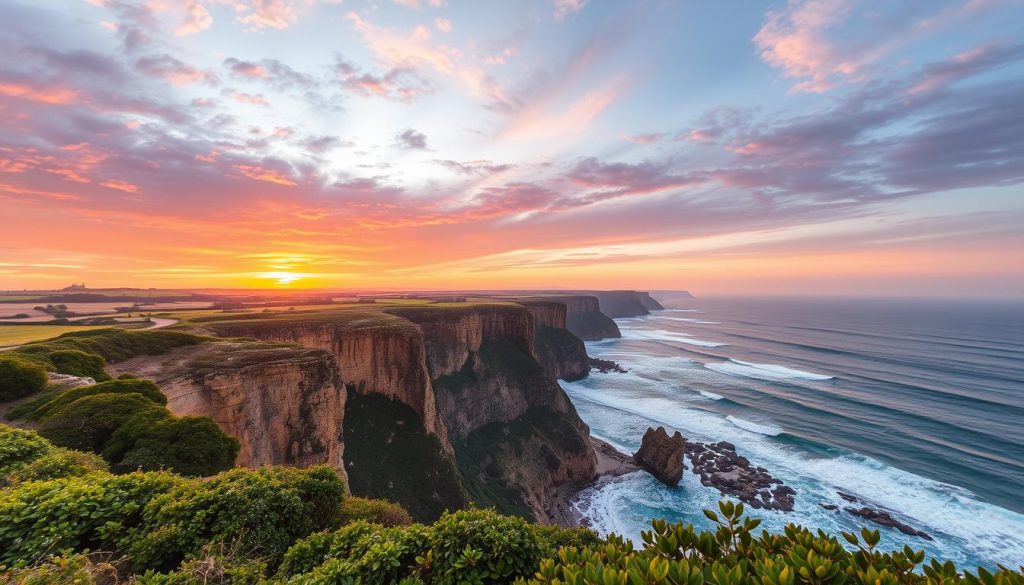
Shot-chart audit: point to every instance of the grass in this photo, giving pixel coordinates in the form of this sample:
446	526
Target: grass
113	344
20	334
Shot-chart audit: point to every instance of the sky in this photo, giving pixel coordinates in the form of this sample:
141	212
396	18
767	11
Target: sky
801	146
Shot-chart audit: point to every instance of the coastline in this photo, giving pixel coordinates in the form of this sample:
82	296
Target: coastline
611	463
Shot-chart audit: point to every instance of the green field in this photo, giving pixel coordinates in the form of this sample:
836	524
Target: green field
19	334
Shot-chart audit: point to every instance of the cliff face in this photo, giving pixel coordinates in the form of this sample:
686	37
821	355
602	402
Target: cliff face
493	395
625	303
557	349
285	405
378	354
584	318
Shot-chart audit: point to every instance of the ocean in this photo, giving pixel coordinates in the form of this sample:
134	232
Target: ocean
913	406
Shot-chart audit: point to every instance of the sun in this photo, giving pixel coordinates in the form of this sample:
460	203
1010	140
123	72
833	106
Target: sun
282	278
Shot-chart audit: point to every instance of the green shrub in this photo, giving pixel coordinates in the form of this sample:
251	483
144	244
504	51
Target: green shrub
733	555
114	344
19	447
20	378
481	546
216	563
56	464
144	388
96	511
381	512
89	422
551	538
79	363
260	511
367	553
190	445
316	549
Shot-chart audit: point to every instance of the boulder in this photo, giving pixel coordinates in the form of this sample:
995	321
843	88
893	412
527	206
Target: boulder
662	455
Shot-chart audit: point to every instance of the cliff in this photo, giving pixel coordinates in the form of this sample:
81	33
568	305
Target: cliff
428	385
625	303
584	318
557	349
285	405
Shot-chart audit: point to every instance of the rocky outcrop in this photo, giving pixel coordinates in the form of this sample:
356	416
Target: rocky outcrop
285	405
649	302
662	455
721	467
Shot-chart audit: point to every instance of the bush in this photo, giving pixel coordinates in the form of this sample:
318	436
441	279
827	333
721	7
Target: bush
261	512
19	447
79	363
96	512
368	553
20	378
144	388
65	568
481	546
114	344
56	464
732	555
88	423
190	445
381	512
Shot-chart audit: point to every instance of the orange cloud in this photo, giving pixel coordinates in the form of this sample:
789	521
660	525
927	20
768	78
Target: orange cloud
264	174
54	96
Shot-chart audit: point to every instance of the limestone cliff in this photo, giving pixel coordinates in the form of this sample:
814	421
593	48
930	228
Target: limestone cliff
285	405
375	353
625	303
584	318
557	349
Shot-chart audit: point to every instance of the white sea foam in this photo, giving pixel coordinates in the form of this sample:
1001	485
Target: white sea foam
965	529
694	321
670	336
763	371
759	428
710	395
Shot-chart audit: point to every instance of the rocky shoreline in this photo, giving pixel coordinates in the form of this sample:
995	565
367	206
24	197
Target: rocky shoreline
721	467
877	516
606	366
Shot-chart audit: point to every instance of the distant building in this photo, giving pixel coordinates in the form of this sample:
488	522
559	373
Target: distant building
75	287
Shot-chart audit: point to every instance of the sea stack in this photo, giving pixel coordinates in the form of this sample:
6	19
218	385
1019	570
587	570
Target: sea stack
662	455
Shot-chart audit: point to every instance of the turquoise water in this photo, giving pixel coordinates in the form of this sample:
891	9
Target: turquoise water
916	407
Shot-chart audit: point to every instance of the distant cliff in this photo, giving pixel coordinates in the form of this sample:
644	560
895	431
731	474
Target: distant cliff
584	317
557	349
625	303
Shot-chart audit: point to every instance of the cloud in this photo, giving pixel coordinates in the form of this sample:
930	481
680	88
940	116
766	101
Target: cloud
261	14
566	8
411	139
443	24
172	70
797	40
273	72
246	98
473	167
197	19
402	84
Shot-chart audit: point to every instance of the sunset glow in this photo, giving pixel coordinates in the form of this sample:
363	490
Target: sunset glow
765	147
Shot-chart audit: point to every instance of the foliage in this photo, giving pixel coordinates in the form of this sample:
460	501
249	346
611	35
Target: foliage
79	363
190	445
20	378
368	553
481	546
88	423
19	447
388	455
732	555
47	405
56	464
263	512
95	511
381	512
114	344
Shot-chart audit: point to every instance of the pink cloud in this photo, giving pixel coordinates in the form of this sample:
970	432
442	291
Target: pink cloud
120	186
261	14
172	70
260	173
46	95
796	40
443	24
197	19
566	8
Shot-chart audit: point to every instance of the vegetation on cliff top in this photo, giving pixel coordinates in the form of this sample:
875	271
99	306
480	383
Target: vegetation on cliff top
280	525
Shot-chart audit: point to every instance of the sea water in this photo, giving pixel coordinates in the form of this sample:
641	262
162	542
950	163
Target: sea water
915	407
